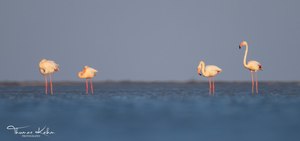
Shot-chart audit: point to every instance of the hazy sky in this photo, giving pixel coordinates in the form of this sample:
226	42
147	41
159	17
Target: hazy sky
149	39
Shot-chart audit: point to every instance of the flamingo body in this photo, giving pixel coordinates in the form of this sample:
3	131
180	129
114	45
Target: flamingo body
87	73
211	71
253	66
48	67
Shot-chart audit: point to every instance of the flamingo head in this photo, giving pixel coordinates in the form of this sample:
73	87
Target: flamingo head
243	43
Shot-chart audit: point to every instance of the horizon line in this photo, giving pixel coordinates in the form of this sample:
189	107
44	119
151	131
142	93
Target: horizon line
67	82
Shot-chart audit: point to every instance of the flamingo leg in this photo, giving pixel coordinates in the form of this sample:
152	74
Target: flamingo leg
86	86
256	83
51	84
252	77
92	88
209	85
46	85
213	86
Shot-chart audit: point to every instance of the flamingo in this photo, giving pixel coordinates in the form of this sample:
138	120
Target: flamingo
252	65
209	71
47	68
88	73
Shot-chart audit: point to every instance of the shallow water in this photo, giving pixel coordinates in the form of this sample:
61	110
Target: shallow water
154	111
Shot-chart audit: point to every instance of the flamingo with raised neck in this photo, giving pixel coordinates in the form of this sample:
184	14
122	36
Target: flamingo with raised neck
252	66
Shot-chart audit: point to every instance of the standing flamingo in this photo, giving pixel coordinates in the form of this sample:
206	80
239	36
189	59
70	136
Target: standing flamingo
47	68
88	73
210	72
252	65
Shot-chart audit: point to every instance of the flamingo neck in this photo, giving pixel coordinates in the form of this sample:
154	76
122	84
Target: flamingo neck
203	68
245	56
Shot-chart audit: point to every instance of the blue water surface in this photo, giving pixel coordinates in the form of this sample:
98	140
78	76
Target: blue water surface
154	111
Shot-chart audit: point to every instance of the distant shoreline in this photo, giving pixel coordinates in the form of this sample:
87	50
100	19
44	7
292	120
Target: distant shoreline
68	83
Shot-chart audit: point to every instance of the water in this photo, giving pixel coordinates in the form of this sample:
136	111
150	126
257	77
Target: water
154	111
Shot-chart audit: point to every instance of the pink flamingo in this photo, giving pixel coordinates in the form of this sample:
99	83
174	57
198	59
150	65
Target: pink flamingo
88	73
210	72
47	68
252	65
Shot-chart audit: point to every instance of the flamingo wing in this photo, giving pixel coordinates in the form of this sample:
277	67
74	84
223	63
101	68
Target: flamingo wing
53	65
254	65
213	70
93	70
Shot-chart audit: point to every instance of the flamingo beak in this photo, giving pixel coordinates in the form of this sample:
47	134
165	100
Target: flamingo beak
200	74
240	47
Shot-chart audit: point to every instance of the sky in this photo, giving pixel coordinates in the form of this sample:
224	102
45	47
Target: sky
149	40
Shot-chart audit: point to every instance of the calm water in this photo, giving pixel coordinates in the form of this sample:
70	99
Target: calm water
154	111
